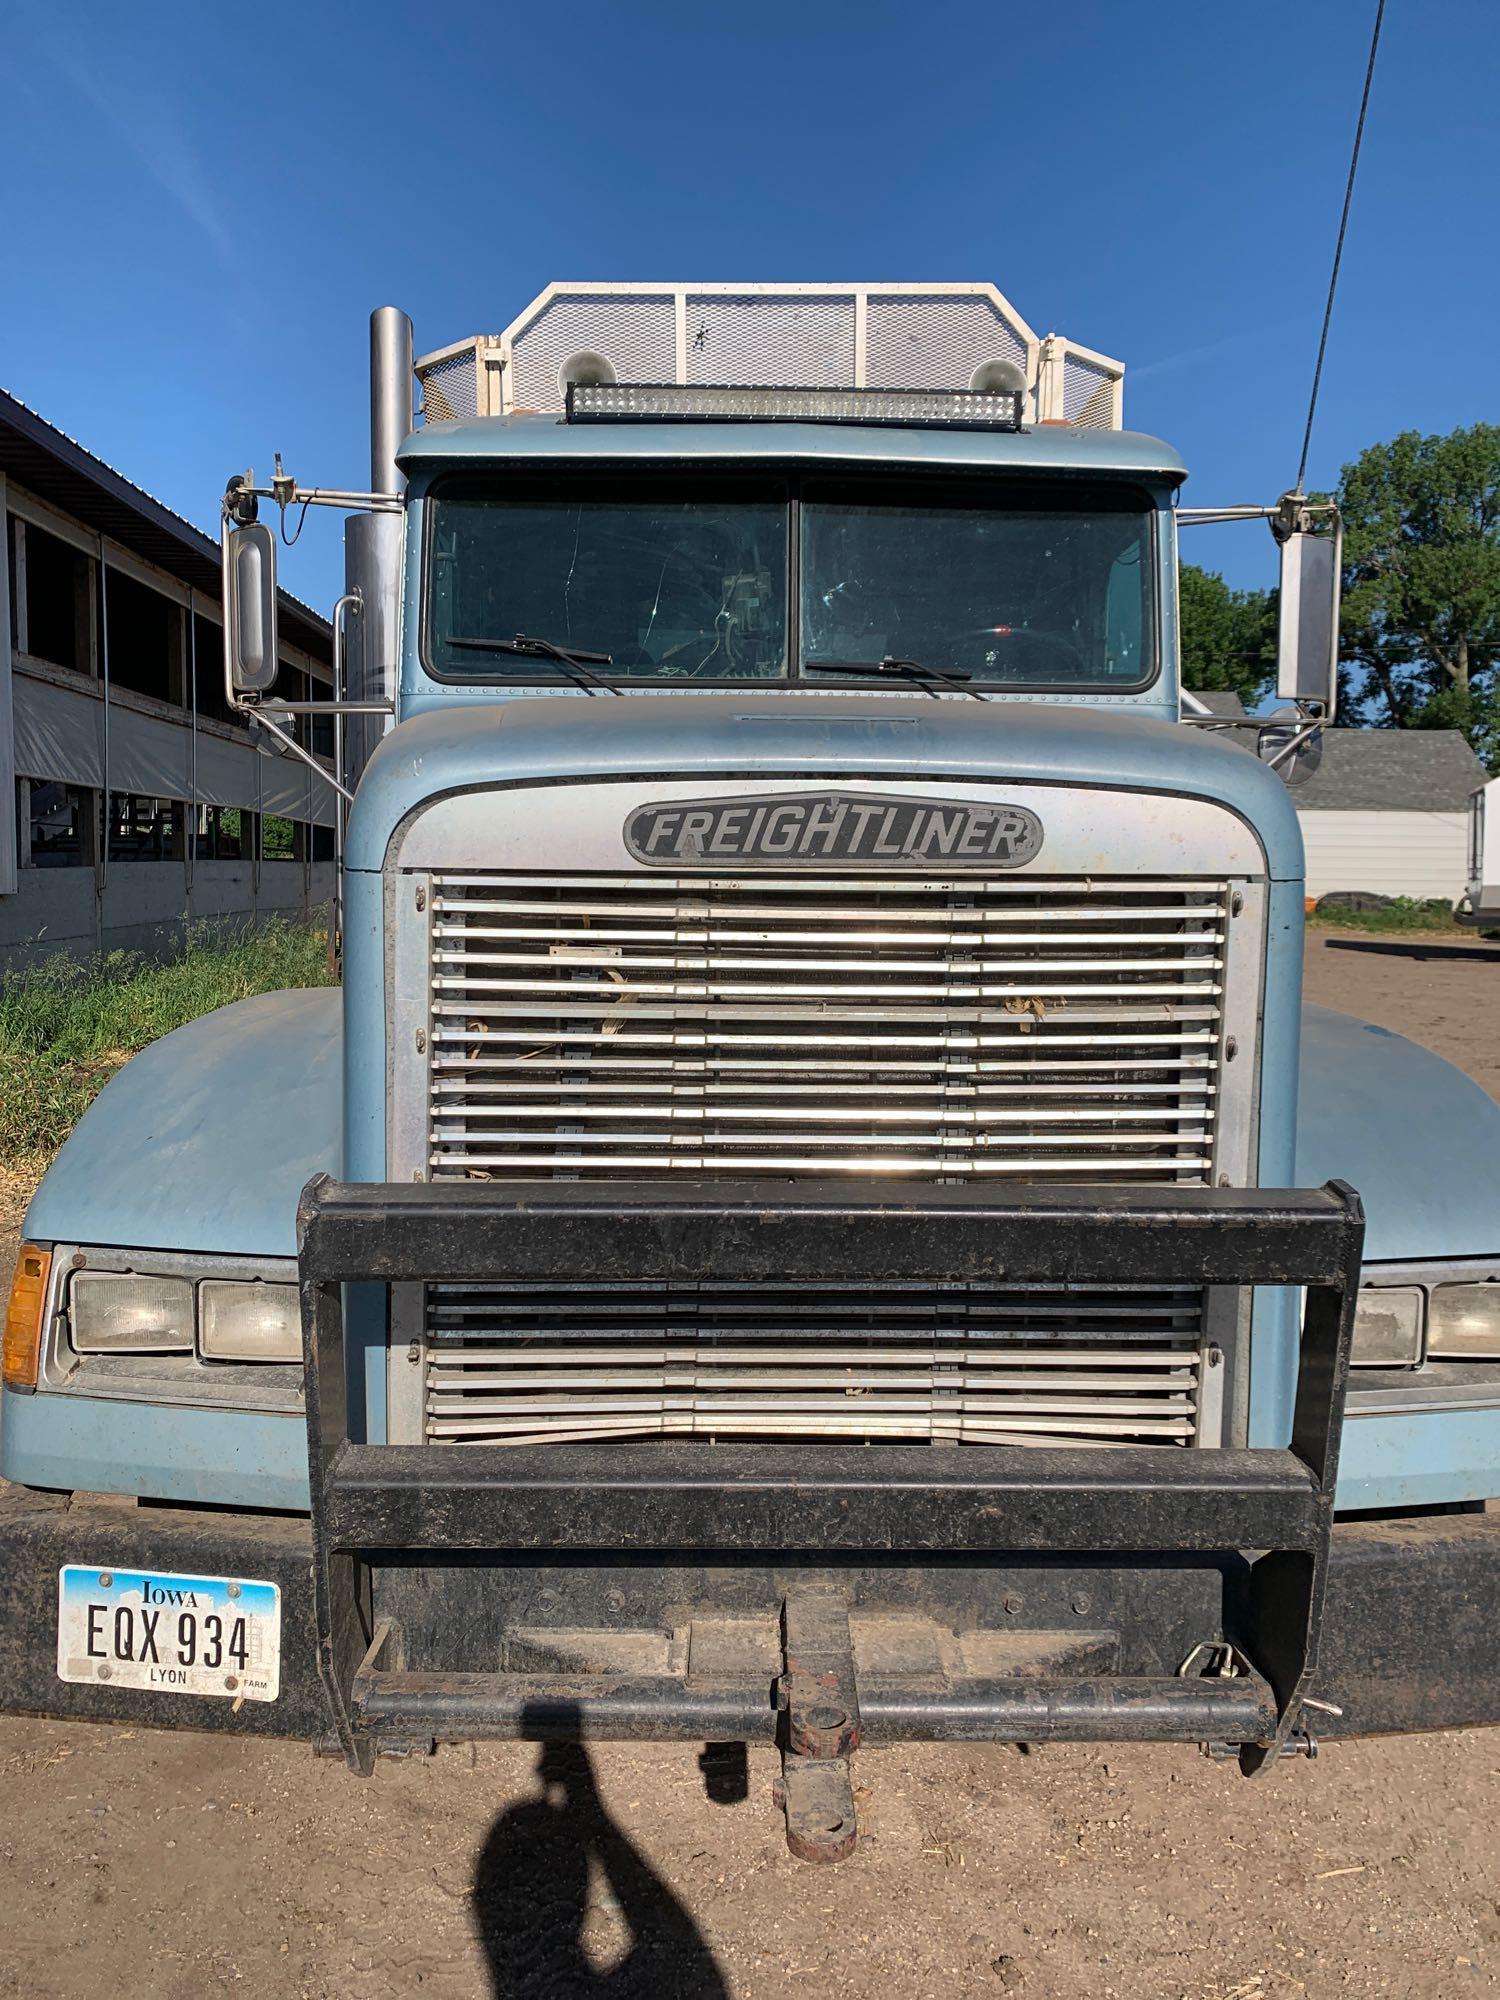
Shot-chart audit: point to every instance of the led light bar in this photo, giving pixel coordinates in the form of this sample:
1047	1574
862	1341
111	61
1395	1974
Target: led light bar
667	402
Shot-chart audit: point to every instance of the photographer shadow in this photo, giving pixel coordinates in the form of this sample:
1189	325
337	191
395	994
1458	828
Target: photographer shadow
531	1899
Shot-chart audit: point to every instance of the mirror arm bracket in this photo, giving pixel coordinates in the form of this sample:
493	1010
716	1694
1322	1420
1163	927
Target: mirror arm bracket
258	716
1294	514
287	493
1293	744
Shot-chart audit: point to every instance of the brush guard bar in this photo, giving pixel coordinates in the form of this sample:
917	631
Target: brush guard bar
376	1508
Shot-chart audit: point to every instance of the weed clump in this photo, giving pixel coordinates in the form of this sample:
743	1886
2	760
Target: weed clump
66	1025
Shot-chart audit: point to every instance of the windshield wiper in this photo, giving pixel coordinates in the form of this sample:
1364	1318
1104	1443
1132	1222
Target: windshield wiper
572	662
917	670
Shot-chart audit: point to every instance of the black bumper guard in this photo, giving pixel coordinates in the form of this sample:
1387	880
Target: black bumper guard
378	1503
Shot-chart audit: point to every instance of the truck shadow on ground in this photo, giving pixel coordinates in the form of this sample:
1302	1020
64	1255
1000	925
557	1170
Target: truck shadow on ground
1392	948
532	1901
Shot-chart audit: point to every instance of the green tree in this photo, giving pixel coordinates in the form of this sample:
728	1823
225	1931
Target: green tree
1420	629
1228	636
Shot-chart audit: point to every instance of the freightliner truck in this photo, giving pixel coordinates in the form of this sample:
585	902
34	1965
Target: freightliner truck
817	1213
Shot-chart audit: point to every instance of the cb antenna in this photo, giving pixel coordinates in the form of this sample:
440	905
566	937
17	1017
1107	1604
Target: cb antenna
1359	133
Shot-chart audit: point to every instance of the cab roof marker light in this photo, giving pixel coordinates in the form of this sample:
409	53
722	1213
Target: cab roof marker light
23	1318
666	402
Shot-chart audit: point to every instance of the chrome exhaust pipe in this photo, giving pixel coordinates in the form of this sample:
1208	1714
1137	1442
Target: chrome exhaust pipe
373	543
390	396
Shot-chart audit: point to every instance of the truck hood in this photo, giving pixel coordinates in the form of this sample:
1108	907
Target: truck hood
742	734
203	1141
1418	1138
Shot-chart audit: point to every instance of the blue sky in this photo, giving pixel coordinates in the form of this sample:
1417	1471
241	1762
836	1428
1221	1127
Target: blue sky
203	203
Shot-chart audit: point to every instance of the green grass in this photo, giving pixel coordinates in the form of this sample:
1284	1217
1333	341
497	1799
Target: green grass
66	1026
1403	913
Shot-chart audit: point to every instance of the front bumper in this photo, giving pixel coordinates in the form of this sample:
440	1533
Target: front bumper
423	1554
1407	1637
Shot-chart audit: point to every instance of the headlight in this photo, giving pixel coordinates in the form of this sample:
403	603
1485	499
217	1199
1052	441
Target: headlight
1387	1327
1464	1323
249	1322
125	1312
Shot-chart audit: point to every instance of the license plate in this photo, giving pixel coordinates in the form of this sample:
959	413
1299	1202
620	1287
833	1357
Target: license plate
218	1635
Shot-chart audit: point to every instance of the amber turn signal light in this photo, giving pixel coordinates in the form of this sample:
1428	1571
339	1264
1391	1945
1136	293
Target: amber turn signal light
23	1318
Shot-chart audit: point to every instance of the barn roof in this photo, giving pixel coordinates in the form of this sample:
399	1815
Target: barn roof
55	467
1391	770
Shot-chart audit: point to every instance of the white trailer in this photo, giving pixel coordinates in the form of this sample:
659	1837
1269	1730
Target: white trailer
1481	900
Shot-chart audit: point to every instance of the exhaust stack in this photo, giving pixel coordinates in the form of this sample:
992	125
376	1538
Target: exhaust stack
373	543
390	395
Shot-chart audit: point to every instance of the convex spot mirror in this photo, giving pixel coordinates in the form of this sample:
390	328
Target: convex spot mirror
1283	729
249	608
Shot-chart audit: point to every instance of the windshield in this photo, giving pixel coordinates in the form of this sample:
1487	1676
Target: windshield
674	585
1014	583
1024	594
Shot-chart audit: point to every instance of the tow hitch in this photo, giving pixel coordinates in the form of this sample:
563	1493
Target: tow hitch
818	1597
821	1705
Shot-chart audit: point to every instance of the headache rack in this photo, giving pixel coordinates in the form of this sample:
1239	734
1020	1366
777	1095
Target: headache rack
890	336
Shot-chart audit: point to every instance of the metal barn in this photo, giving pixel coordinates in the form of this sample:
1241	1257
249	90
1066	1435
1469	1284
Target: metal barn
135	802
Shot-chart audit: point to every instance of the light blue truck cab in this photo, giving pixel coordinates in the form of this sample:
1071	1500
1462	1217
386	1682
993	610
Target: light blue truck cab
802	1167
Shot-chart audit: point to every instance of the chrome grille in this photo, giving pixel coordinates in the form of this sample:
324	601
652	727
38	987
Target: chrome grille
636	1025
935	1364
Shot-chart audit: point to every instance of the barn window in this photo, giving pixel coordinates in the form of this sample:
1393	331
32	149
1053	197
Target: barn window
145	639
278	838
144	829
58	579
56	824
223	833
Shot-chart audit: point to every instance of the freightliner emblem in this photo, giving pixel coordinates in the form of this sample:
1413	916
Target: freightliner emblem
833	830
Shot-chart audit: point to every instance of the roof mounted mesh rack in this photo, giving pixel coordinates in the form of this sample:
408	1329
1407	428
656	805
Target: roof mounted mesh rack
889	337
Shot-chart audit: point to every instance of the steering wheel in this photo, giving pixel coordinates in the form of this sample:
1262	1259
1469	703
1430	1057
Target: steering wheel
997	637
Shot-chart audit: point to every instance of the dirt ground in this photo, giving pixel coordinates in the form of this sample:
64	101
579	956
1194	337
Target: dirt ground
182	1865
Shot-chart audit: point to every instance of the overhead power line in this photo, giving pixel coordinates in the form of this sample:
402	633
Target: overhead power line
1333	282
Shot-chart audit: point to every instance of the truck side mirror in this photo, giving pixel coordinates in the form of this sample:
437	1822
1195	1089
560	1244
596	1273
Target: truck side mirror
1307	646
250	654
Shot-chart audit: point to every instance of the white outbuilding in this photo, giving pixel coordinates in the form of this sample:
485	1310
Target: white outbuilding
1386	813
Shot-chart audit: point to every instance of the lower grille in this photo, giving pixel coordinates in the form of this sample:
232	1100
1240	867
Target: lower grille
940	1364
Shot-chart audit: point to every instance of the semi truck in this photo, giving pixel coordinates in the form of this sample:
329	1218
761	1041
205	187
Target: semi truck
813	1216
1479	905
